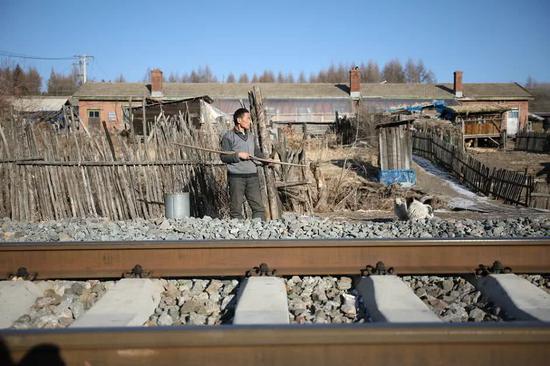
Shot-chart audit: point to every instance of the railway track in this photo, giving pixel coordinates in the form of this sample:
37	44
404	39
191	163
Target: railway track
420	339
288	257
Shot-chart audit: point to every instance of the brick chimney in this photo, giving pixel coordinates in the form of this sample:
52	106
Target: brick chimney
156	83
355	83
458	87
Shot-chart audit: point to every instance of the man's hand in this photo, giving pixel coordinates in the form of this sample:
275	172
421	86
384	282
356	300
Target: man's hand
243	155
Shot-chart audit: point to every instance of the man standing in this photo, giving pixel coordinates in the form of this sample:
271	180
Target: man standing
242	171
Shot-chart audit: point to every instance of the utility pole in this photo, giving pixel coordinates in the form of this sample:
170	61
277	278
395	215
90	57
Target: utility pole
82	67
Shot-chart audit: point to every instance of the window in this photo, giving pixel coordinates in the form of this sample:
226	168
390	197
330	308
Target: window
514	113
112	116
93	113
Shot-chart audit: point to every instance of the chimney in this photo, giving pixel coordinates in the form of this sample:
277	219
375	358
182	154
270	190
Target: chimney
458	87
355	83
156	83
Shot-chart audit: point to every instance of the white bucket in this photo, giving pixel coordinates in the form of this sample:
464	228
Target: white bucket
176	205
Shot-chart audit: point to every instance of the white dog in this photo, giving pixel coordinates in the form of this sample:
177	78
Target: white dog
412	209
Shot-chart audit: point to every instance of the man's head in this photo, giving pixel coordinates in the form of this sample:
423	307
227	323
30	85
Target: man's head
241	118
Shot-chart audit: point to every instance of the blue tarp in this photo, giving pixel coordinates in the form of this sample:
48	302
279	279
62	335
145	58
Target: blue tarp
439	105
405	177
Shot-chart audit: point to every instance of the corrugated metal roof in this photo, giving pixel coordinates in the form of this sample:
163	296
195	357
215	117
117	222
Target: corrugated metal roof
38	103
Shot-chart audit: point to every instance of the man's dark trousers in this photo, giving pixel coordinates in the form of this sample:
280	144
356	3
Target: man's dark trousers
247	186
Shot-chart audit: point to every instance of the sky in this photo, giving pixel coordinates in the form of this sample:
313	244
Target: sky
489	40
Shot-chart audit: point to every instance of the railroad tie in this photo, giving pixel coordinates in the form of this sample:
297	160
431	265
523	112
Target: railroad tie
129	303
389	299
262	300
519	298
16	299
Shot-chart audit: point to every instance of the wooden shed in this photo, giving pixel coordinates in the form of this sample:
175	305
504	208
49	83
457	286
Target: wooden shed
479	121
193	107
395	143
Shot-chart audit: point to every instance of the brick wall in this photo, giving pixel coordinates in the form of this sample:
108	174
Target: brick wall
104	108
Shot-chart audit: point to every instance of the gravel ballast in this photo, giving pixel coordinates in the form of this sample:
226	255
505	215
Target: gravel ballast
62	303
541	281
453	299
291	226
195	302
327	299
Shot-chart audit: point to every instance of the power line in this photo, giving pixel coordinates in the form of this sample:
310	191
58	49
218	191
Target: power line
20	55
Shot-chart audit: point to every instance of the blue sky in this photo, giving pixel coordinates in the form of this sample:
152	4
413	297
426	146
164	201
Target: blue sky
490	40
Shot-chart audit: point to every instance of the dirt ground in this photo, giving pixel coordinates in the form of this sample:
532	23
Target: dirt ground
345	167
537	164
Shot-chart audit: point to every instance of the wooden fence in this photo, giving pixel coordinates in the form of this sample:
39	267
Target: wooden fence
51	175
533	141
48	173
510	186
541	194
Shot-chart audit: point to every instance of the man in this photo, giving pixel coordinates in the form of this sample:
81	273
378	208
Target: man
242	171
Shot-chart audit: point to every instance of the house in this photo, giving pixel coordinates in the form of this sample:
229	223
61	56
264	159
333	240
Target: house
291	103
479	121
540	107
40	107
510	96
198	110
99	102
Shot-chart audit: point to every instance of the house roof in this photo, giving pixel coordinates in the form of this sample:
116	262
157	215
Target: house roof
541	103
405	91
116	91
492	91
269	90
38	103
483	91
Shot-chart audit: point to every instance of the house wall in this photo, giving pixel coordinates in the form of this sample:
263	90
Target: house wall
521	105
104	108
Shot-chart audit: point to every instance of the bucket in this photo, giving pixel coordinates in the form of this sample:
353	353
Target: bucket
176	205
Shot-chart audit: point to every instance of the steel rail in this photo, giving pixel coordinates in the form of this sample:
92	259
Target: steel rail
366	344
288	257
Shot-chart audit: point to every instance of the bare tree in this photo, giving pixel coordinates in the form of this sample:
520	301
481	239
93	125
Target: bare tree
243	79
33	82
289	78
267	77
147	76
17	81
60	84
230	78
120	79
173	78
302	78
417	72
411	72
531	82
393	72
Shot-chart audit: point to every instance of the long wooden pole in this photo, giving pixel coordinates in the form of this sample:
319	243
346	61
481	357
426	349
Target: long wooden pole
263	160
